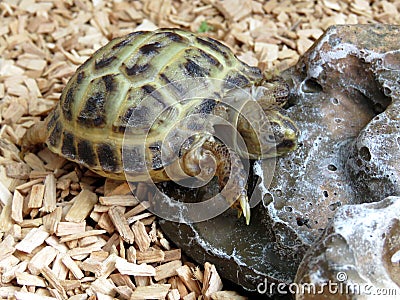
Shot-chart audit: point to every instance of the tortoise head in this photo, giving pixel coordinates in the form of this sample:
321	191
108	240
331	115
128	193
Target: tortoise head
264	125
280	135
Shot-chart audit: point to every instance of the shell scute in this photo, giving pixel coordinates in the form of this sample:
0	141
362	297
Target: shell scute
108	157
68	145
93	113
55	135
86	152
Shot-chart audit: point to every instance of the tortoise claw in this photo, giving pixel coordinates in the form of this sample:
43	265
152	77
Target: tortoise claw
245	208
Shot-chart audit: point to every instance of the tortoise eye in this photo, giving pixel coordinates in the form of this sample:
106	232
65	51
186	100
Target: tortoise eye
270	138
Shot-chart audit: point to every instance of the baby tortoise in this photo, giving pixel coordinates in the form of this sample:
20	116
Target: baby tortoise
136	84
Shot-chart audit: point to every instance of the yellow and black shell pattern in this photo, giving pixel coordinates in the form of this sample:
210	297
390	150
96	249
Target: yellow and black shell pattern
117	89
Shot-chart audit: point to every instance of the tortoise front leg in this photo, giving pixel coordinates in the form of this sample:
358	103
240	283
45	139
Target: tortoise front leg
208	156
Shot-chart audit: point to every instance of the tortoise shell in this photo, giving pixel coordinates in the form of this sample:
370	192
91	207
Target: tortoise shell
133	84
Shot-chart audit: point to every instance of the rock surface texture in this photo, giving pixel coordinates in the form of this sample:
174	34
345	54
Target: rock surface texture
345	100
359	254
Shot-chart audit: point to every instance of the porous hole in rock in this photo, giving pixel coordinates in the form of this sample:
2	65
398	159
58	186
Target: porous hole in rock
302	221
365	154
311	86
326	194
387	91
288	208
267	199
332	168
334	101
398	141
335	205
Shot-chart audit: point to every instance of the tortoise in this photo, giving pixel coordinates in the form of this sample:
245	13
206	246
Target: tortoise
136	84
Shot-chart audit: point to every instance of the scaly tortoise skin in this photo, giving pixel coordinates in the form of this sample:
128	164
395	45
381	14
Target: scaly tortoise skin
118	89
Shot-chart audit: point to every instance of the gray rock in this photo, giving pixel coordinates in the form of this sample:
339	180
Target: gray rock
357	254
345	102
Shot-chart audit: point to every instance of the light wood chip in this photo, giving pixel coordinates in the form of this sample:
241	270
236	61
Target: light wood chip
58	268
72	266
139	217
34	162
186	275
56	244
9	262
6	221
174	254
30	280
119	200
92	265
142	239
49	201
70	284
178	284
16	209
143	280
42	258
108	265
167	270
53	281
5	194
234	9
7	247
191	296
81	235
79	297
36	197
173	294
104	286
125	267
156	291
131	255
84	251
212	282
18	170
124	292
31	296
137	209
33	239
123	189
151	255
51	220
10	273
82	206
106	223
68	228
121	224
26	186
32	222
122	280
